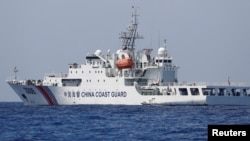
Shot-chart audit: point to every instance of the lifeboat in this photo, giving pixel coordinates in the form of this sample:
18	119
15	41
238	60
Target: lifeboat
124	63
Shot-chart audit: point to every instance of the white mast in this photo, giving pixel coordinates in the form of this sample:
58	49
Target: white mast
129	37
15	71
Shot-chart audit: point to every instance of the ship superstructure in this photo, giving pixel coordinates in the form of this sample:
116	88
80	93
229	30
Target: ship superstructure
126	77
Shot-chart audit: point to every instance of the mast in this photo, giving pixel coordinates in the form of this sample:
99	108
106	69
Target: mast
129	37
165	46
15	71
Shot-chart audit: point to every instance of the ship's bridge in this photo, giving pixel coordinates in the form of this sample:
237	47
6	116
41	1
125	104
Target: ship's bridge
163	59
165	71
94	60
98	60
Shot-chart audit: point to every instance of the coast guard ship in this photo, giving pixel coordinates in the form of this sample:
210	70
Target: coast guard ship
126	77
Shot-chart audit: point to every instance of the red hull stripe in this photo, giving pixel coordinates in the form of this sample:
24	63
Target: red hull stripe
51	95
45	94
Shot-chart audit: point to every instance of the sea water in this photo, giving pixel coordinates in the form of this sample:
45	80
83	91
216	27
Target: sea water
20	122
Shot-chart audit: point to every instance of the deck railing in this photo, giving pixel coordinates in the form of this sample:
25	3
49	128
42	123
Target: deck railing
184	83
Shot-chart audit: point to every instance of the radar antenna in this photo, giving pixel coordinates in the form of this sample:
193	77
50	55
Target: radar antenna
165	46
129	37
15	71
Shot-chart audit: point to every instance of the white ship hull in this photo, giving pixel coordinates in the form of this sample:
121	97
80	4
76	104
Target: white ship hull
127	95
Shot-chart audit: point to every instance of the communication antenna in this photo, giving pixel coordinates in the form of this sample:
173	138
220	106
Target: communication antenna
228	80
159	39
165	46
165	43
15	71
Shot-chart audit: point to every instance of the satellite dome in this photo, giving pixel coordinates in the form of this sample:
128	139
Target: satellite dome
98	52
161	51
118	51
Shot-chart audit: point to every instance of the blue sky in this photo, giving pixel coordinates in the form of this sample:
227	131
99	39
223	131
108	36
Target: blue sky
209	40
